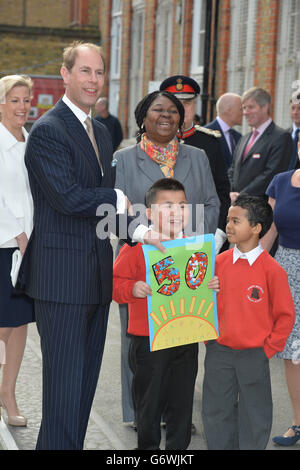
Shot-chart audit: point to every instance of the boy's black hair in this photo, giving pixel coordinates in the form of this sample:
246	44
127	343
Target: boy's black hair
259	211
164	184
143	106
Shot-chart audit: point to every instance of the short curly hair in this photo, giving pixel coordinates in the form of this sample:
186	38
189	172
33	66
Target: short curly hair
143	106
71	51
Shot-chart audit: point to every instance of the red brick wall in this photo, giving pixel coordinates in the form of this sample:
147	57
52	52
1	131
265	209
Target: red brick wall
105	26
266	45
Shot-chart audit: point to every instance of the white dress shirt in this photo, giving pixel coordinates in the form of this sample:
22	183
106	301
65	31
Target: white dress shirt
140	231
16	205
251	255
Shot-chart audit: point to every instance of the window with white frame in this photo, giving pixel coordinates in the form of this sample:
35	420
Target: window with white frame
115	58
136	65
163	47
240	66
288	59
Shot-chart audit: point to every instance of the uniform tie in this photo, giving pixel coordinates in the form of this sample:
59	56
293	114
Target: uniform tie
90	132
232	141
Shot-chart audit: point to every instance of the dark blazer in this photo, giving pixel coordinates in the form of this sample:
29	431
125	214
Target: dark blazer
224	146
65	261
269	155
297	163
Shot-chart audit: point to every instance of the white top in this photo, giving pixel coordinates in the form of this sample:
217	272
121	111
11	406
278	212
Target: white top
16	205
251	255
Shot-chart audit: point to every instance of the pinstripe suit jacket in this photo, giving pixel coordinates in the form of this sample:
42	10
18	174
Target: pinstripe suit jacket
65	261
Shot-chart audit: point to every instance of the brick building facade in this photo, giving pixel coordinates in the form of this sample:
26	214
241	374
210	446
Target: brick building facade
33	33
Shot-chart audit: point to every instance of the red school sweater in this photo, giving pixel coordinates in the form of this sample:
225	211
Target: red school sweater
255	305
129	268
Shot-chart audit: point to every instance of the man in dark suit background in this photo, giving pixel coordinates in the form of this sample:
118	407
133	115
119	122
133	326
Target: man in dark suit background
229	114
262	153
111	122
295	129
67	268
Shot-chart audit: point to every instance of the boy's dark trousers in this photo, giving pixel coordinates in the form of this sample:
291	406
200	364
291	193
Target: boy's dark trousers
163	383
237	399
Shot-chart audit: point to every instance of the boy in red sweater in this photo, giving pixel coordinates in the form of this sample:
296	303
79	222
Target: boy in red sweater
163	380
256	314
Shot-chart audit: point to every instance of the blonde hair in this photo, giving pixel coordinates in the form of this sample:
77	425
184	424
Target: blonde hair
226	102
70	53
261	96
8	82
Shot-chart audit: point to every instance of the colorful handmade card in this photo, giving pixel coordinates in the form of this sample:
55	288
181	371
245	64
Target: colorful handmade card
181	309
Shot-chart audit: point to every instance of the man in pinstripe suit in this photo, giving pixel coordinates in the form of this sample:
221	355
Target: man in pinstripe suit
66	268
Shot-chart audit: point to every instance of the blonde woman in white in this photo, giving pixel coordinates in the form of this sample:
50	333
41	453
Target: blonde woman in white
16	220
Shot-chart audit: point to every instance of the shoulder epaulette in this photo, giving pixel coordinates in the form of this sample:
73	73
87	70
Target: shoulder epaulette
206	130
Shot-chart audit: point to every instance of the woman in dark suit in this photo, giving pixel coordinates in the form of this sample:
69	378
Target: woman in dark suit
16	214
158	154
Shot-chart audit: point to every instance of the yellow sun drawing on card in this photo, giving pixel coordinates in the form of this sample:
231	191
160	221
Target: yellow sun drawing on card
184	327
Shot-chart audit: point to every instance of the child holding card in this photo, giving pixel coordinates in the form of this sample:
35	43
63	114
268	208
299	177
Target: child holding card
256	314
164	380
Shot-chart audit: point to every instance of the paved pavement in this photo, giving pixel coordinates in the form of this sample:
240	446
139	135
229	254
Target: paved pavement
106	430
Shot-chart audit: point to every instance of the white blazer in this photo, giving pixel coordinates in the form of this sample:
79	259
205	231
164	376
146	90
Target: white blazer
16	205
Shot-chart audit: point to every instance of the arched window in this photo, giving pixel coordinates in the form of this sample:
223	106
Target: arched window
137	60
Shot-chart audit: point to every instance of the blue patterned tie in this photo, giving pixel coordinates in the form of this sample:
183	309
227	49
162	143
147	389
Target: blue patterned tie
295	150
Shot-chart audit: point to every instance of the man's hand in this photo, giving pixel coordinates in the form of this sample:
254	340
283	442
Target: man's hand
22	241
153	238
233	196
141	289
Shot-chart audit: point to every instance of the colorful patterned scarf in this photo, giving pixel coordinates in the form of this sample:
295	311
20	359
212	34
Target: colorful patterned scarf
165	157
